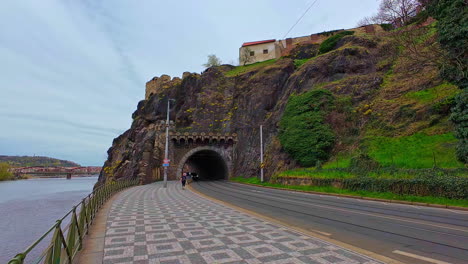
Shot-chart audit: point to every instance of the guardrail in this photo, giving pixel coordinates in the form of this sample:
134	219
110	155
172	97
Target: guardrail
61	249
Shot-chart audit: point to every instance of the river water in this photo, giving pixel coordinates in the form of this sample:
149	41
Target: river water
28	208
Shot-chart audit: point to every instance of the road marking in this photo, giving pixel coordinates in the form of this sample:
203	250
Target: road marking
458	212
417	207
419	257
463	229
320	232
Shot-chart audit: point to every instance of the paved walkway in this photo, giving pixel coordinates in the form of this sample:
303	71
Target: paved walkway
150	224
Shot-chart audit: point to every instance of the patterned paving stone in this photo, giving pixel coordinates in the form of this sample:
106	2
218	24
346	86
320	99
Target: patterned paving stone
150	224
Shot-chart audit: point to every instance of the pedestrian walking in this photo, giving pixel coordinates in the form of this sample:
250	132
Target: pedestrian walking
183	180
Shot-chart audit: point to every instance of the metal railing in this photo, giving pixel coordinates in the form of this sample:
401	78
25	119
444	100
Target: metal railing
67	241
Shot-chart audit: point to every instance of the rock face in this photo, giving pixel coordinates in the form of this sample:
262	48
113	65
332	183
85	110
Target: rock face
220	100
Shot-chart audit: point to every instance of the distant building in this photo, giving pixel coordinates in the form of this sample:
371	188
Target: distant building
258	51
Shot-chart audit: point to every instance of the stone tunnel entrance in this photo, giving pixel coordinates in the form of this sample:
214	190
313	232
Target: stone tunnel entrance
210	155
208	164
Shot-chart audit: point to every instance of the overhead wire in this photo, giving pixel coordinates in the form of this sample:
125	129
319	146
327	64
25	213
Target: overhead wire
307	10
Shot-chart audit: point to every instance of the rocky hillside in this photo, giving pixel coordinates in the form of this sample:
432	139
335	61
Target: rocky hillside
28	161
385	99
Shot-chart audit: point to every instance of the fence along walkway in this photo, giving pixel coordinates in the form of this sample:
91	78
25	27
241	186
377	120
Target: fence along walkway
67	241
151	224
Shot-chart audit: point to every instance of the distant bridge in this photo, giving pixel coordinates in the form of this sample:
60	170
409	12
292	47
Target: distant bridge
56	171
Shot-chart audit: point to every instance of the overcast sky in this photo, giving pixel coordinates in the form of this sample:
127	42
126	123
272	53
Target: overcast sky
73	71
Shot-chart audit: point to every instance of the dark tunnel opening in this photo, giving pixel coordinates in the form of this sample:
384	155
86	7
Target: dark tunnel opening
208	164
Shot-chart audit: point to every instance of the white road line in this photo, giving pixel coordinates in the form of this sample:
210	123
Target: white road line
419	257
319	232
417	207
458	211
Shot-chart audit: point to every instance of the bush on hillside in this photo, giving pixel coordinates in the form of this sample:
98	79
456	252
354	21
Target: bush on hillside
4	173
330	43
303	132
460	118
452	27
387	27
364	163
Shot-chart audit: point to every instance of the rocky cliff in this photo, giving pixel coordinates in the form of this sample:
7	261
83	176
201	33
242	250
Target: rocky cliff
387	92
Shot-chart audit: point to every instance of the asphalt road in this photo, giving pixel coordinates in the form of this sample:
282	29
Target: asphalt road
408	233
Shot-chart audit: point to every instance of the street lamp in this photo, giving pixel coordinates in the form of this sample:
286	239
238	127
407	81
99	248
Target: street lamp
166	151
261	153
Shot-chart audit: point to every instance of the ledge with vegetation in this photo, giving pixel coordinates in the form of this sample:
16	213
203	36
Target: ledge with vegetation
421	200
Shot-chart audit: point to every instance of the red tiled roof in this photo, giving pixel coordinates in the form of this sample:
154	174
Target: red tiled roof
257	42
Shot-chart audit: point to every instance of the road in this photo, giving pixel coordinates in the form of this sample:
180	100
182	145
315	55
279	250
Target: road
407	233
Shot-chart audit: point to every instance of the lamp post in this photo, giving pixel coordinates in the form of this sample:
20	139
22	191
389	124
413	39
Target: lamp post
166	150
261	153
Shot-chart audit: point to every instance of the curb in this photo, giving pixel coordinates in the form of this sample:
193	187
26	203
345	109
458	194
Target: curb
363	197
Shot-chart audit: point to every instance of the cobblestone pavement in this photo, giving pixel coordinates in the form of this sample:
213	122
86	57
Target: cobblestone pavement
150	224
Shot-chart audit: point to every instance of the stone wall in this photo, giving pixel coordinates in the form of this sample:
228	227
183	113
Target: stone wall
283	47
157	84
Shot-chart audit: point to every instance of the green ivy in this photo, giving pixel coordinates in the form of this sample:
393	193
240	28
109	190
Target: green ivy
303	132
460	118
330	43
452	16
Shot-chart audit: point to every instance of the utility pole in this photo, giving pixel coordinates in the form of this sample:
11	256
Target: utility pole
261	153
166	150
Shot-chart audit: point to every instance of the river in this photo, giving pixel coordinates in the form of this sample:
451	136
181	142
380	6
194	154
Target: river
28	208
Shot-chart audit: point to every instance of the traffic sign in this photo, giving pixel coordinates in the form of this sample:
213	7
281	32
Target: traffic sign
165	164
166	161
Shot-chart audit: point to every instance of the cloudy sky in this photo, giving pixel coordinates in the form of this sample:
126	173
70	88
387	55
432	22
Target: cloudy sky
73	71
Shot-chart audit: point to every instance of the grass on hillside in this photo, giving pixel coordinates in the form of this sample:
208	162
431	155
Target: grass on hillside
416	151
243	69
411	152
298	63
434	94
386	195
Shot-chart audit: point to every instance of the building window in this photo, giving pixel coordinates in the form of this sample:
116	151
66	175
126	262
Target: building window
252	53
265	51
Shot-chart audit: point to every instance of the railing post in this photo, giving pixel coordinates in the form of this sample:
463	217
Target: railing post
55	252
72	230
18	259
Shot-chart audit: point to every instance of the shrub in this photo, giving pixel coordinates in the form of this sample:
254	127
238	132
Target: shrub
437	186
5	174
460	118
303	132
419	18
330	43
363	162
387	27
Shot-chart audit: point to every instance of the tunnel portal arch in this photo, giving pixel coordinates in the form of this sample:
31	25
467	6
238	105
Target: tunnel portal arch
211	163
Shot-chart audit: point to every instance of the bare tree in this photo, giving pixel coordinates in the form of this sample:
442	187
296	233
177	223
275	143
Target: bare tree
366	21
245	56
419	45
212	61
397	12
